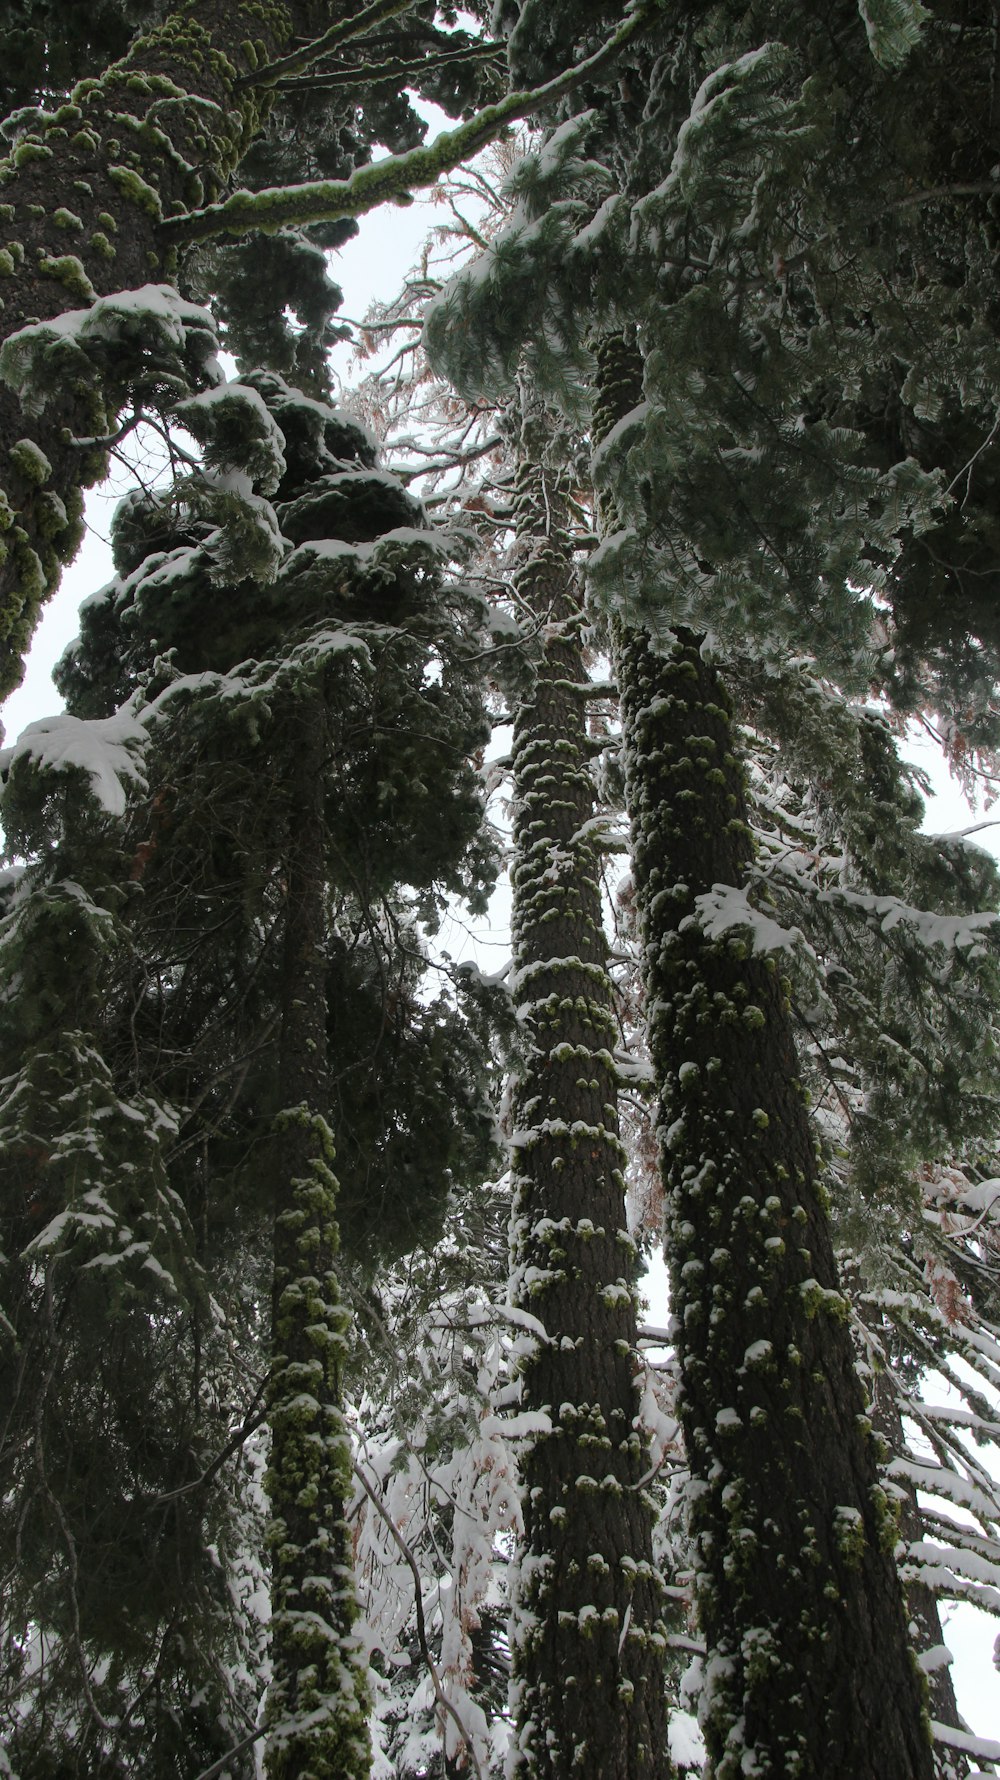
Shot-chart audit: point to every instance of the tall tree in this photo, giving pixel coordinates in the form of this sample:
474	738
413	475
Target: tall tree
588	1639
695	846
585	1570
236	1002
902	1121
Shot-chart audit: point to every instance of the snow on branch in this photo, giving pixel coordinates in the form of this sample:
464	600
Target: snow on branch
393	179
725	907
107	749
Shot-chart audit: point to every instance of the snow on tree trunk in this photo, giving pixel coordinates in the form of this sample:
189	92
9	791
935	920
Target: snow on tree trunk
81	198
797	1590
587	1634
318	1699
808	1669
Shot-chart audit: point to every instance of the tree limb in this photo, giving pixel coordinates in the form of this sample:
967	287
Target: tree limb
418	1598
328	200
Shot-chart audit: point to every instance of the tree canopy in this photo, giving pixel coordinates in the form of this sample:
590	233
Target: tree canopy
680	479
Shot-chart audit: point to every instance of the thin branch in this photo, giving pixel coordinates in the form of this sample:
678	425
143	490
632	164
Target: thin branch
342	32
249	1425
106	441
379	73
418	1597
219	1767
327	200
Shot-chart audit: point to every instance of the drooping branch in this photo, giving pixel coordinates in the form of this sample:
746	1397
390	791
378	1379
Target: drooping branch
443	1701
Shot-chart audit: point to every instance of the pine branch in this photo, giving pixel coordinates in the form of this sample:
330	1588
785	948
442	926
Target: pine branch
342	32
328	200
379	74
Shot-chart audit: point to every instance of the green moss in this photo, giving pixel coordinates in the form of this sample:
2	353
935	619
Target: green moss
886	1518
818	1299
30	462
67	219
69	271
28	566
28	152
849	1535
107	221
7	267
102	246
135	190
51	516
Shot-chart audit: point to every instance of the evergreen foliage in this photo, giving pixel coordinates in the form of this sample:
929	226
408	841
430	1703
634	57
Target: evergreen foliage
861	831
234	1112
211	911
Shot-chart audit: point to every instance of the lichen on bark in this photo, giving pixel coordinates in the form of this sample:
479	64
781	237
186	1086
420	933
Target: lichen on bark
160	131
588	1639
798	1598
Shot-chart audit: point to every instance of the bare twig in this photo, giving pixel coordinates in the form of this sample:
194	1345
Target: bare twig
418	1596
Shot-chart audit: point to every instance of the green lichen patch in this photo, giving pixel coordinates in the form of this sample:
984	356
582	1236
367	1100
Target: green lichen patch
69	271
30	462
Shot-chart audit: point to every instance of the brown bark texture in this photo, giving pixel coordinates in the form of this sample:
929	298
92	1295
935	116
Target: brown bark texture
587	1634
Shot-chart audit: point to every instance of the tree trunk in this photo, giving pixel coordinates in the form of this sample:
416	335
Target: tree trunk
83	194
587	1636
318	1699
809	1670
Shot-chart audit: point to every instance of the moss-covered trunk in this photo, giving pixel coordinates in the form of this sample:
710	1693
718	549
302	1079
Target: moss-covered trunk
798	1595
588	1640
81	199
808	1669
317	1703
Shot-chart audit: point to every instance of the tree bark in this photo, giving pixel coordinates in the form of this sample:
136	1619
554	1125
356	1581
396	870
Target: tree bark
318	1698
587	1635
809	1670
82	197
797	1588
